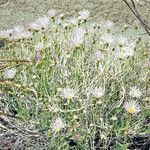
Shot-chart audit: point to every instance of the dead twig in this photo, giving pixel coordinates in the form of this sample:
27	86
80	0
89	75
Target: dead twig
132	6
10	115
14	60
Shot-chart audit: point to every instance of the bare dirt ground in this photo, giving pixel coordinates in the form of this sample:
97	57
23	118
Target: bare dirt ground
16	12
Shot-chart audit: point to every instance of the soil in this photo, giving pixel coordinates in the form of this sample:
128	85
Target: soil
18	12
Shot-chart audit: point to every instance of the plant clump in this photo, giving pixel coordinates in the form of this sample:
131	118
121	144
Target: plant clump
70	83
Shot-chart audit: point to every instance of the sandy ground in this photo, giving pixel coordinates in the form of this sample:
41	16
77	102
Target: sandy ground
16	12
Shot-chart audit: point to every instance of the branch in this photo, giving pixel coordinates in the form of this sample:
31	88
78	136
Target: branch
138	16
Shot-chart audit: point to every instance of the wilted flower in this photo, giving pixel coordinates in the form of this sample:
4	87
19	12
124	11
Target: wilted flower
57	125
147	64
78	36
68	93
84	14
9	73
135	92
98	92
38	57
132	107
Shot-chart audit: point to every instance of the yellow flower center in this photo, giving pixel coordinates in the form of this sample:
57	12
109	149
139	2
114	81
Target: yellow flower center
121	55
70	97
132	110
57	129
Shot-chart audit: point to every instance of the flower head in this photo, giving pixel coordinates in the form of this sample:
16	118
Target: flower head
132	107
84	14
6	34
9	73
121	40
98	92
40	23
52	13
107	38
73	21
120	54
57	125
34	26
108	24
135	92
43	22
128	50
99	55
78	36
68	93
39	46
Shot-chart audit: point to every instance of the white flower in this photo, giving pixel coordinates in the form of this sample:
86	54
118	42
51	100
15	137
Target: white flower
40	23
9	73
108	24
121	40
120	54
78	36
114	118
52	13
57	125
68	93
107	38
73	21
128	48
84	14
132	107
18	29
39	46
129	51
43	22
135	92
34	26
6	34
98	55
19	32
98	92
